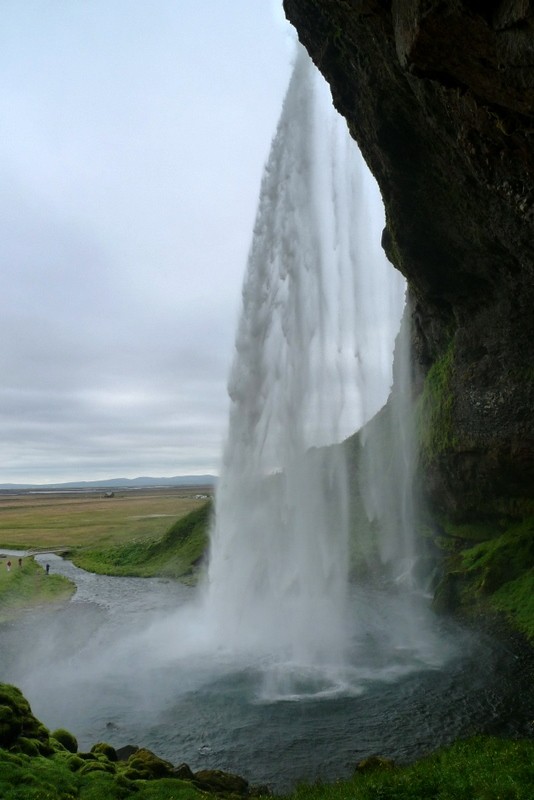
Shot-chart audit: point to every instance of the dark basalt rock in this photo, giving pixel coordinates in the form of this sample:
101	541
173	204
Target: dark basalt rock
219	782
124	753
183	772
440	98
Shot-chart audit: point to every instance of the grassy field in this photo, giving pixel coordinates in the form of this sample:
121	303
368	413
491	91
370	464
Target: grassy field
72	521
143	532
26	586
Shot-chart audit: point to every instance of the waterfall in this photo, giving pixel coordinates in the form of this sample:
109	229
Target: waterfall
388	464
321	307
277	618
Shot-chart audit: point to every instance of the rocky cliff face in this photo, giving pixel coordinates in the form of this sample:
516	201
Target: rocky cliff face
440	98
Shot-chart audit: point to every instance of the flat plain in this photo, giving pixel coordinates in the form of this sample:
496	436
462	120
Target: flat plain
35	520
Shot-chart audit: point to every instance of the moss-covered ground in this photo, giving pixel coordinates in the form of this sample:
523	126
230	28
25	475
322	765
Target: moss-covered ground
36	764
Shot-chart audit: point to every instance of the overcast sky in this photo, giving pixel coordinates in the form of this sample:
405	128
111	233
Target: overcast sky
133	136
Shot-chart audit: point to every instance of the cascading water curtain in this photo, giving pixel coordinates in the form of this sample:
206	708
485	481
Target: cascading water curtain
312	361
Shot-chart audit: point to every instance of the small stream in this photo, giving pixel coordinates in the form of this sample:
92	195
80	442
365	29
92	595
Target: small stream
116	664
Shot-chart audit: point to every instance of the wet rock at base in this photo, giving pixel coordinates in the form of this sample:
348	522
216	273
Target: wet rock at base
183	772
124	753
219	782
374	762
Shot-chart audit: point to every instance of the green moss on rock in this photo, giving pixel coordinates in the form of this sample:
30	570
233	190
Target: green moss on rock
146	764
28	746
97	766
516	600
501	559
490	574
75	763
102	748
435	408
67	739
16	719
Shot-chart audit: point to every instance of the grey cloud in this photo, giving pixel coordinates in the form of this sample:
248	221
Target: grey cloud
132	150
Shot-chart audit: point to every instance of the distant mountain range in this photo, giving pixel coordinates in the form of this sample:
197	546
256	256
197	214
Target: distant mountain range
116	483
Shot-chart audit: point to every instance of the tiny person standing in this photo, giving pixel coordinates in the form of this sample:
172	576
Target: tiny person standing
20	562
47	568
8	565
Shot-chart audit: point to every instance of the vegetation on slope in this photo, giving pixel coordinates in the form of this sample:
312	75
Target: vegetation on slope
487	566
27	586
490	569
36	764
177	554
434	408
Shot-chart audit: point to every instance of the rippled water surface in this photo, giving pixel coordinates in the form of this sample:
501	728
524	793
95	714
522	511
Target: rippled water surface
123	662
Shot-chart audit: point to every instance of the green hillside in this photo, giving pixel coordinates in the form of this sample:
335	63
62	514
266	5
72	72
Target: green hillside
179	553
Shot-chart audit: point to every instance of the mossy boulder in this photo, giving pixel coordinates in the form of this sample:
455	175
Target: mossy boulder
10	726
102	748
98	766
75	763
125	784
67	739
57	747
88	756
17	720
28	746
14	759
146	765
